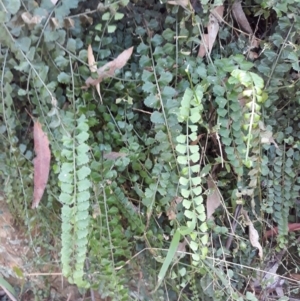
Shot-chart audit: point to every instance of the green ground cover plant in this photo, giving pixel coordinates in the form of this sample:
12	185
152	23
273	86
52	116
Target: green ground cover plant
136	165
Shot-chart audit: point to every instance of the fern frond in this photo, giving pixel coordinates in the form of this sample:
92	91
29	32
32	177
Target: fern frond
75	198
190	181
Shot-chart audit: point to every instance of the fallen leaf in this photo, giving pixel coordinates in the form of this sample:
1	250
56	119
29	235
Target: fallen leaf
69	23
218	12
240	17
41	163
171	214
204	45
266	136
96	210
108	70
54	23
114	155
181	249
213	199
254	42
254	239
196	141
267	273
91	59
274	231
183	3
242	21
295	276
93	65
252	55
85	19
31	20
213	26
253	234
172	210
242	101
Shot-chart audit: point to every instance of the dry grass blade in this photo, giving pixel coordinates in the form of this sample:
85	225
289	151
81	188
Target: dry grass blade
108	70
41	163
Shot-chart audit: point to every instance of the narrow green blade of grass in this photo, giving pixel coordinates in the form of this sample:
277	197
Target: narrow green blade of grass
8	289
170	255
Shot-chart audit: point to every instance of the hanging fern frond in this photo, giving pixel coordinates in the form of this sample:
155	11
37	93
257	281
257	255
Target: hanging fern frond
251	97
75	197
190	114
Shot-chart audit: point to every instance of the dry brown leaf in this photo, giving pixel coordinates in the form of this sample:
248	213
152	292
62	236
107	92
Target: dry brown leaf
213	26
69	23
85	19
172	210
212	29
254	43
213	199
108	70
252	55
218	12
254	239
196	141
93	65
242	100
31	20
183	3
26	17
295	276
181	249
266	136
91	59
203	46
253	234
114	155
54	23
41	163
171	213
240	17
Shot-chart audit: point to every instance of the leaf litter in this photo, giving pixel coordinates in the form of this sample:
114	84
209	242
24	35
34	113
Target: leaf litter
213	199
41	163
109	69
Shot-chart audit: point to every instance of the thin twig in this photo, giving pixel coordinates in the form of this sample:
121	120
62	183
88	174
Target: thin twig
233	227
87	265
